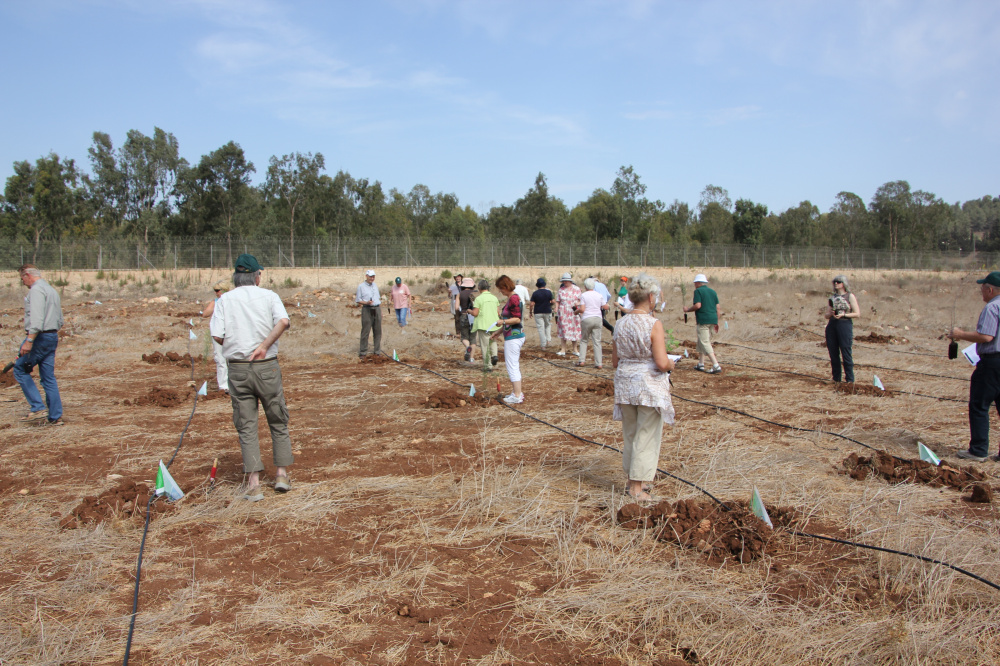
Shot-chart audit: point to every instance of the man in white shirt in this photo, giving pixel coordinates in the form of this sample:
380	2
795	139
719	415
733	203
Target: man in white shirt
371	313
606	295
247	322
522	292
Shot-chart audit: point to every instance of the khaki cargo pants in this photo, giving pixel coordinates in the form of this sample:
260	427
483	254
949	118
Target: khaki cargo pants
250	382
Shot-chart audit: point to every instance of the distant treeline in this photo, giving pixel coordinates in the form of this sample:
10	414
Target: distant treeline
144	191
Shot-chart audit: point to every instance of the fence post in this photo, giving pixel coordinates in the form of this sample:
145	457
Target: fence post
376	255
60	256
211	255
137	264
175	256
319	257
279	255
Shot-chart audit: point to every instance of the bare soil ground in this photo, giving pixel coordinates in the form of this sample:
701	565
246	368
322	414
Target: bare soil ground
426	526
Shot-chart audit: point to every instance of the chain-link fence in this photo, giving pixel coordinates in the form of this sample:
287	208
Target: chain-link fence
119	254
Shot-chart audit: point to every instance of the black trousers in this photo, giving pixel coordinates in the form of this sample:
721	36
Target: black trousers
839	337
984	390
604	321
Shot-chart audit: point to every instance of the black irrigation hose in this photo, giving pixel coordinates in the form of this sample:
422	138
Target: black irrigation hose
894	351
825	380
145	531
719	502
863	365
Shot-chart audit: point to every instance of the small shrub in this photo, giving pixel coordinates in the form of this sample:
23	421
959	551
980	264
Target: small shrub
151	281
60	282
291	283
446	274
122	282
87	287
100	274
112	275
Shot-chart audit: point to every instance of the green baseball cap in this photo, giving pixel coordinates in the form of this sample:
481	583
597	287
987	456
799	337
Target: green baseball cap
991	279
247	263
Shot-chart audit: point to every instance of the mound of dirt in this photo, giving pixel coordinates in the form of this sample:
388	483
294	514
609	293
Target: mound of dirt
603	388
879	339
156	358
914	470
850	388
451	399
126	500
7	379
375	359
688	344
735	534
161	397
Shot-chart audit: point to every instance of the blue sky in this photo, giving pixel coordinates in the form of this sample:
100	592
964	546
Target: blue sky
777	102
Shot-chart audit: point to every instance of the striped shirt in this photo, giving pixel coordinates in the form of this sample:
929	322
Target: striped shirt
989	324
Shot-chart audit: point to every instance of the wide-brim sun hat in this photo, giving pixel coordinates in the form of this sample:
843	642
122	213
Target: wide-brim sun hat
700	277
468	283
566	277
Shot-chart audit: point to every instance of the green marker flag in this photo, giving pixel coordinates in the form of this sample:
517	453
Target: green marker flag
159	479
395	356
757	506
927	455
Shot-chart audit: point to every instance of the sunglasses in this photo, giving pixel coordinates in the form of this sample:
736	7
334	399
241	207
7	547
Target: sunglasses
838	282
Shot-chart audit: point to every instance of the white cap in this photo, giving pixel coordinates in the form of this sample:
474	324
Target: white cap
700	277
370	273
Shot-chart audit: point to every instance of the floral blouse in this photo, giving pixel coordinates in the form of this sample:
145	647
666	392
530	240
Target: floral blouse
637	379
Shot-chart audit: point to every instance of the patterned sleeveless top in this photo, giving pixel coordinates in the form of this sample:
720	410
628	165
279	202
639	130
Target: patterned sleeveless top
637	379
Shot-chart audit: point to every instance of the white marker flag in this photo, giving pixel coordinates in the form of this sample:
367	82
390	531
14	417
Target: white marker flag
192	334
166	484
472	390
757	506
927	455
204	389
878	383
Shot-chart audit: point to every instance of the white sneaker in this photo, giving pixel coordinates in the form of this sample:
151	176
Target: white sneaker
514	399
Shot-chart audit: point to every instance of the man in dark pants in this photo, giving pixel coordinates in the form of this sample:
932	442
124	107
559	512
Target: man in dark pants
984	385
247	322
371	313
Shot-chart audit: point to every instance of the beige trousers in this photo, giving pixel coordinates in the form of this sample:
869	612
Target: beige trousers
642	429
705	339
591	328
248	384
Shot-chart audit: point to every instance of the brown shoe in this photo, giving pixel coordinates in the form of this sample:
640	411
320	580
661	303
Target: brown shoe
57	422
31	417
282	484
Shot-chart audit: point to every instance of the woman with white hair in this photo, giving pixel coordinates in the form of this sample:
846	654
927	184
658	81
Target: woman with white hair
642	386
841	308
592	304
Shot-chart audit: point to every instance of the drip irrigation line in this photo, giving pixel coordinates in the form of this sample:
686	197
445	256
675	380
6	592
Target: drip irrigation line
894	351
145	531
864	365
827	381
715	499
922	558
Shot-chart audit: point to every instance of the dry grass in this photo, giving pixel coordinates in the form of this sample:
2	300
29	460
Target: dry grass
397	504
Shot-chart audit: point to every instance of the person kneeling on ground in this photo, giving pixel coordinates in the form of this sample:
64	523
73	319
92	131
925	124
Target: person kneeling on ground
247	322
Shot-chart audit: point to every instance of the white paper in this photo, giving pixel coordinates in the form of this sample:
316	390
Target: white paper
970	354
674	357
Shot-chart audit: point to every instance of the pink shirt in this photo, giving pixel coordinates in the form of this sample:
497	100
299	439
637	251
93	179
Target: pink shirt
400	296
592	302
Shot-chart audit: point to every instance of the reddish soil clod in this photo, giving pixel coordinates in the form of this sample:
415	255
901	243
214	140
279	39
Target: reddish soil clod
450	399
603	388
127	499
850	388
895	470
879	339
735	534
156	358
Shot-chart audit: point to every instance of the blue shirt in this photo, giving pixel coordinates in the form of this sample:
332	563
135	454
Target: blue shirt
602	290
989	324
368	292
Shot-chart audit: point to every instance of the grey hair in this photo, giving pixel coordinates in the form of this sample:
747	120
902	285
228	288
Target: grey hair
589	283
245	279
484	285
843	279
33	272
641	286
